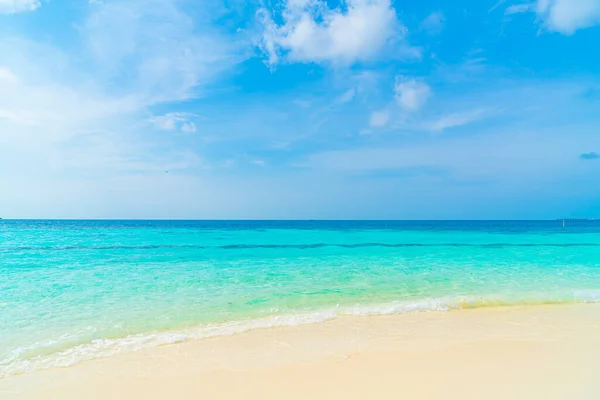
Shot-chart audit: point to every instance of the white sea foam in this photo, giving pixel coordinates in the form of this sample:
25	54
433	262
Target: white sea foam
587	296
108	347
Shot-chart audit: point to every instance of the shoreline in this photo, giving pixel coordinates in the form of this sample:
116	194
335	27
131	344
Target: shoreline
135	342
348	355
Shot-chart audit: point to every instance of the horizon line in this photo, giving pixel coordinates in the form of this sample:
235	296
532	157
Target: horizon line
300	219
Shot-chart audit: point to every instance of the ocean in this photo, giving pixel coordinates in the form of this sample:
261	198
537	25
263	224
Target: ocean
71	291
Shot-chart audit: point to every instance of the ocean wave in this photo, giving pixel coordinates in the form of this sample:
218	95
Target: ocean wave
102	348
292	246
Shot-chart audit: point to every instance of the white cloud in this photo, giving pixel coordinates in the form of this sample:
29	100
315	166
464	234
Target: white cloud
411	94
567	16
175	121
7	76
164	123
84	112
312	32
188	127
347	96
18	6
164	55
495	6
379	119
456	119
434	23
39	96
519	8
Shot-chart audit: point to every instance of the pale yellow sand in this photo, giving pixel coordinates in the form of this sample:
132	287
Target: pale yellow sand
542	352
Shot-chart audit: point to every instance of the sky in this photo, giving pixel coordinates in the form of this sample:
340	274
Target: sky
300	109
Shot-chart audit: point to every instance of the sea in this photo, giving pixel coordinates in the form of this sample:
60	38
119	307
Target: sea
72	291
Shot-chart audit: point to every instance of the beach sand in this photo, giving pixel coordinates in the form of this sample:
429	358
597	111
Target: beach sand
538	352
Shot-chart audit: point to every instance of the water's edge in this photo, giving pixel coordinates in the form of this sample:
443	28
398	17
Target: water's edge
102	348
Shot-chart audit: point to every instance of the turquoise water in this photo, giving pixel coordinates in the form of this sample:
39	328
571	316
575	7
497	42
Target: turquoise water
76	290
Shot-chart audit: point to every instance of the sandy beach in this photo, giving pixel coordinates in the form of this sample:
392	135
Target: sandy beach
540	352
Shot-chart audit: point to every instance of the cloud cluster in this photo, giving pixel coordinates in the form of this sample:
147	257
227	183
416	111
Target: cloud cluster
312	32
97	119
410	96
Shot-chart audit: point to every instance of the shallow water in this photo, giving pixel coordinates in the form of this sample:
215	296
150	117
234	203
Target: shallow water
75	290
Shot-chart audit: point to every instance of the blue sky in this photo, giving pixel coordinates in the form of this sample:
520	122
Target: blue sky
467	109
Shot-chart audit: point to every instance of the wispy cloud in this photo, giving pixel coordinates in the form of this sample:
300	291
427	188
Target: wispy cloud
175	121
7	76
519	8
347	96
434	23
496	5
491	156
159	49
89	108
188	127
456	119
18	6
